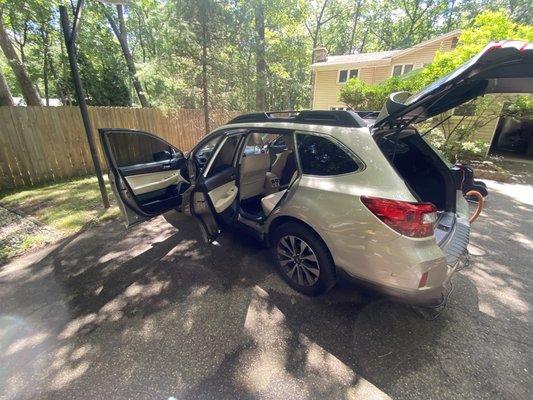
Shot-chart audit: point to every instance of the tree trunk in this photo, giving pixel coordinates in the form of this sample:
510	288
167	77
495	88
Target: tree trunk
5	94
46	57
260	63
357	12
205	43
29	91
451	9
122	36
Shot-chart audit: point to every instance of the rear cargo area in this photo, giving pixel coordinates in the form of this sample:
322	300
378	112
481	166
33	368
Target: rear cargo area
425	173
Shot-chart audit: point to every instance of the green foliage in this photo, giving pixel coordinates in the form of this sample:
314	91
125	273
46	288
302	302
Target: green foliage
457	146
363	96
456	143
520	108
164	39
486	27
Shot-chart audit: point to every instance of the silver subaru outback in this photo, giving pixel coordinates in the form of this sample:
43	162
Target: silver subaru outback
332	197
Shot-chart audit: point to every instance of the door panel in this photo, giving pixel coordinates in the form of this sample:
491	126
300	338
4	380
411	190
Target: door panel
205	213
145	183
227	174
223	196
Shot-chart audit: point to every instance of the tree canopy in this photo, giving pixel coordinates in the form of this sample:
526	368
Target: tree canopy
225	54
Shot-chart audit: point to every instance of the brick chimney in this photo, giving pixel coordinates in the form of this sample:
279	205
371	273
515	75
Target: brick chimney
320	54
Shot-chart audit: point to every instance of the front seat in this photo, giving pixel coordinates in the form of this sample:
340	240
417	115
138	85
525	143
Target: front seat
279	163
253	169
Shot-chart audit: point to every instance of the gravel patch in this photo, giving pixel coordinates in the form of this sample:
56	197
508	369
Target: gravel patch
18	233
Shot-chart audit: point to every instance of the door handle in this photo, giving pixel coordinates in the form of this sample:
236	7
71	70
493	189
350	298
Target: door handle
166	166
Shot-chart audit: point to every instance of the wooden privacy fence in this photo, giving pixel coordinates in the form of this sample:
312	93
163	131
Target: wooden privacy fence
46	144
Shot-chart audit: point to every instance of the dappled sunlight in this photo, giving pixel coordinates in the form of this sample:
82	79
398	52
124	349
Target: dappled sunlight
134	295
68	374
26	342
154	310
476	250
290	361
320	362
519	192
22	272
523	239
507	291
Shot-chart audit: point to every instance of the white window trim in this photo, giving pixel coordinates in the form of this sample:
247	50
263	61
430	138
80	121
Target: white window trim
347	76
403	68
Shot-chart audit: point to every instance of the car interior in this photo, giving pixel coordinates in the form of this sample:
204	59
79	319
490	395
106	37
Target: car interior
422	170
264	166
247	177
267	168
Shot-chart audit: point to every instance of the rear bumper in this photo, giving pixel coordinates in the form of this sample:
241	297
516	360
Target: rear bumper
433	296
453	257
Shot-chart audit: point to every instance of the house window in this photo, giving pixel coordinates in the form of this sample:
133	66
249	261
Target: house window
401	69
345	74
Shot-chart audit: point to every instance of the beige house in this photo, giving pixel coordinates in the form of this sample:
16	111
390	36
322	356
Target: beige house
332	72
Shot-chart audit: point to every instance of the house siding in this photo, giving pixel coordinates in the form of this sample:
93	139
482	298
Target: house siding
327	90
423	55
484	134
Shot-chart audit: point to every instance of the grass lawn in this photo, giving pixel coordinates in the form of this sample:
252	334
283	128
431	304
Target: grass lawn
61	208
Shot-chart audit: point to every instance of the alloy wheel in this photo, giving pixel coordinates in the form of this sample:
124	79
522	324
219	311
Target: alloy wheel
298	260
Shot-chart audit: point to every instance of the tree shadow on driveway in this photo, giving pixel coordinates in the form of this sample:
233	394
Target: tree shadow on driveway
152	312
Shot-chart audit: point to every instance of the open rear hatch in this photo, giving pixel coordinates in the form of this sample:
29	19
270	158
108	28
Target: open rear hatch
504	67
501	67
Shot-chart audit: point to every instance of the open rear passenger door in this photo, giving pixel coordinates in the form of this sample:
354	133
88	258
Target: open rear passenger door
150	176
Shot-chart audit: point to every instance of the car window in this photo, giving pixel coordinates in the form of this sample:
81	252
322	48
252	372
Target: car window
252	148
131	148
320	156
203	154
279	142
225	156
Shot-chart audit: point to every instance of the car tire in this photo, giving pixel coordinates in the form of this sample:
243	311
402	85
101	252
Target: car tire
300	270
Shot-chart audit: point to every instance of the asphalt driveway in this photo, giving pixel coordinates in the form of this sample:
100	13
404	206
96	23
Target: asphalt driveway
154	313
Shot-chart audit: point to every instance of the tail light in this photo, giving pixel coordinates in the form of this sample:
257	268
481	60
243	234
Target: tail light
423	279
410	219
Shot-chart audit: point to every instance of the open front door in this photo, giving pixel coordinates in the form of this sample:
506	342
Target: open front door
148	175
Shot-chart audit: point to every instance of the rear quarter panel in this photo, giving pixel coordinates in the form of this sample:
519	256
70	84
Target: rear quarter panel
359	242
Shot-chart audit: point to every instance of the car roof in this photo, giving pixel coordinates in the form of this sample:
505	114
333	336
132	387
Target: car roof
346	118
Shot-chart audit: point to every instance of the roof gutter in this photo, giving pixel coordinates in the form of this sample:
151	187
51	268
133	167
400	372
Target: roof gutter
325	65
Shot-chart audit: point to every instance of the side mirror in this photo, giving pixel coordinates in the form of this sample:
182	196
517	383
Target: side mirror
177	154
162	156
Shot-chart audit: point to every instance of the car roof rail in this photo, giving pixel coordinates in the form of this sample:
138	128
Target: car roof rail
344	118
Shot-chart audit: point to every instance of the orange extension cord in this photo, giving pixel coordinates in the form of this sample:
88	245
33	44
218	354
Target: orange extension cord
480	203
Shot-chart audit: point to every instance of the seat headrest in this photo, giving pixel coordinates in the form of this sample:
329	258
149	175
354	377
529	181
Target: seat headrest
255	140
